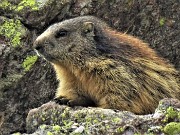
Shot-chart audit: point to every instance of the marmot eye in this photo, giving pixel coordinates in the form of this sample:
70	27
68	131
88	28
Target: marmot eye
61	33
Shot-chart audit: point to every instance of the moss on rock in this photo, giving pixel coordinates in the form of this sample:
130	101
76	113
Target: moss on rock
13	30
63	119
172	128
29	62
31	4
27	3
6	5
171	113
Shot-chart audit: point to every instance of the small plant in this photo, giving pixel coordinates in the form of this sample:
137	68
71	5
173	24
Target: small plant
49	133
162	21
56	128
4	4
120	130
29	62
27	3
32	4
11	30
171	113
172	128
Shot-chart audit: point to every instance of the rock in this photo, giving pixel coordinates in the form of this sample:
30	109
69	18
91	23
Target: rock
16	56
12	36
44	12
79	129
156	22
35	13
60	119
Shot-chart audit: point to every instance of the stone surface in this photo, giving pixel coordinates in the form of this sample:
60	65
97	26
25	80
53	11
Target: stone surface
47	11
156	22
57	119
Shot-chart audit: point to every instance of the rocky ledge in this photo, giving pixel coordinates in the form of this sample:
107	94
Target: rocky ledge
55	119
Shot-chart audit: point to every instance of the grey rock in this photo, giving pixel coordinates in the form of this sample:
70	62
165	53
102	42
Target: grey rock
141	18
100	121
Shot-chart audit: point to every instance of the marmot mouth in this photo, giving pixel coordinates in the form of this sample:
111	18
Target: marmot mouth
45	56
49	58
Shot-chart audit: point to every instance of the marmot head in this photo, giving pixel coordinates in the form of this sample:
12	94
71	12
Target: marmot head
77	40
70	39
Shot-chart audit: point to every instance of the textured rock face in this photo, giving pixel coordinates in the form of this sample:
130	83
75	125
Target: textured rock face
156	22
57	119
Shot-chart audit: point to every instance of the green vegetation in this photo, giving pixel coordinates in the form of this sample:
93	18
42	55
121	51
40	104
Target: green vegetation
11	29
65	114
27	3
7	5
49	133
43	126
171	113
32	4
56	128
120	130
172	128
29	62
162	21
116	120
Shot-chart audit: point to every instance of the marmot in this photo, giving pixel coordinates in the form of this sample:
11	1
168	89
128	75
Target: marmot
98	66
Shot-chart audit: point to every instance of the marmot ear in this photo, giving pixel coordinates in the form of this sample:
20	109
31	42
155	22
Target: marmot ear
88	28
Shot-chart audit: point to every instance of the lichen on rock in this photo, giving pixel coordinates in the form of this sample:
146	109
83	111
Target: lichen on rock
172	128
33	4
60	119
6	5
13	30
151	21
29	62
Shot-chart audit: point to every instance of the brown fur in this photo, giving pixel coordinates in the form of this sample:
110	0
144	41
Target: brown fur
98	66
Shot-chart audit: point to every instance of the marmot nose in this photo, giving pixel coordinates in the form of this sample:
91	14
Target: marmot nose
37	46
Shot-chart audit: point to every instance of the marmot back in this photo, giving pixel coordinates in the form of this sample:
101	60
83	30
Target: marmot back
98	66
